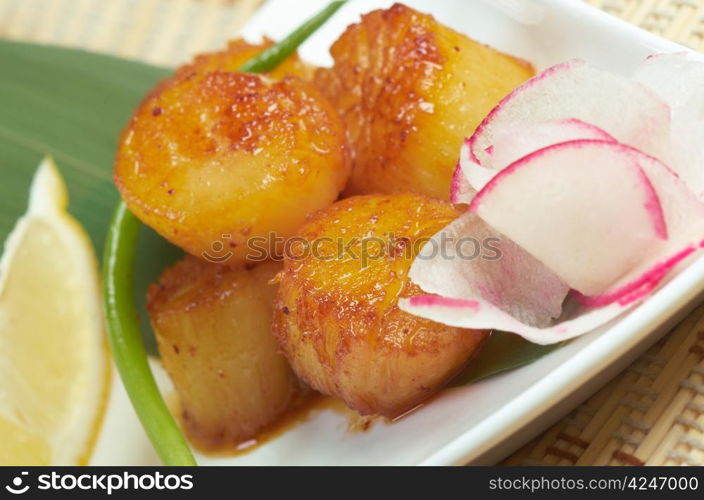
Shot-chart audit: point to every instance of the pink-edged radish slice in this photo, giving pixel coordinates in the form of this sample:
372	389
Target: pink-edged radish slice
468	177
470	260
601	215
678	79
512	142
638	287
625	109
476	312
479	314
683	214
461	191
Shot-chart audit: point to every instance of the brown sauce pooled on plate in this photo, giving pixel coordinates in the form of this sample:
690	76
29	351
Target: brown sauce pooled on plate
300	412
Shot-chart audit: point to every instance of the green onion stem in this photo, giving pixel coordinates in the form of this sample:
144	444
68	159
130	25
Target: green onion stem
118	289
127	344
277	53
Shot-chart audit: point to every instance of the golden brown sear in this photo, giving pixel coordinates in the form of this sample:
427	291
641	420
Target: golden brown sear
410	89
213	327
337	318
210	160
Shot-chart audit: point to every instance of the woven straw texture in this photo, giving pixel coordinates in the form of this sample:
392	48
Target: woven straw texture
652	413
678	20
163	32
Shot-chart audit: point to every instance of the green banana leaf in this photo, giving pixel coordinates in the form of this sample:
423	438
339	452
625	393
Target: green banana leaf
502	352
72	105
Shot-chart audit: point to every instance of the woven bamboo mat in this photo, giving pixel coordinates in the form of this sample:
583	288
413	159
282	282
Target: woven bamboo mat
652	413
163	32
678	20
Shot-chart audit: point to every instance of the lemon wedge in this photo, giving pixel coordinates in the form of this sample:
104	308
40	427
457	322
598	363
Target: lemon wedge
54	369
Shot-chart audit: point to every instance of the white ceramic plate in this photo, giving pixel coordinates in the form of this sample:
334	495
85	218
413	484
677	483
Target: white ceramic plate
485	422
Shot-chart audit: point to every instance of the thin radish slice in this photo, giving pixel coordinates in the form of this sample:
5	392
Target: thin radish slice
625	109
588	207
461	191
599	214
475	312
583	208
470	260
479	314
512	142
639	287
476	176
678	79
684	218
683	211
468	177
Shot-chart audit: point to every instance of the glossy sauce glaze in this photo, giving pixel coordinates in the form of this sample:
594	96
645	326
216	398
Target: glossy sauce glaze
301	411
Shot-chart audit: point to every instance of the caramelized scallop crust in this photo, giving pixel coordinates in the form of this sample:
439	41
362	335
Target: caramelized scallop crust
213	161
213	327
410	90
337	317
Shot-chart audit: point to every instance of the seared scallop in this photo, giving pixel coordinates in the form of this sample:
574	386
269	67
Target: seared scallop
215	161
337	317
213	327
410	89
